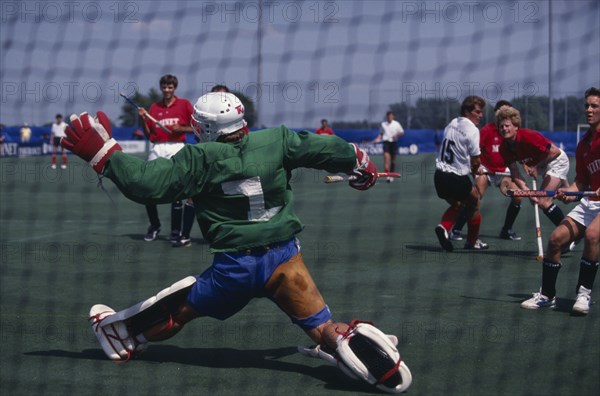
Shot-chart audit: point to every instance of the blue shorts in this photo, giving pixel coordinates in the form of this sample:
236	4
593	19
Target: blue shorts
235	278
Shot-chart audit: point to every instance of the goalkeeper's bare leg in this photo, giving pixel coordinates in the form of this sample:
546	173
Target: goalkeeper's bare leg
292	288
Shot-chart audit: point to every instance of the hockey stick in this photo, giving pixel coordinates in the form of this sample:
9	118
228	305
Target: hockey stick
158	124
538	228
548	193
496	173
342	178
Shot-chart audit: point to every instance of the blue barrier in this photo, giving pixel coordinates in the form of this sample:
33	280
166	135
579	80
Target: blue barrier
415	141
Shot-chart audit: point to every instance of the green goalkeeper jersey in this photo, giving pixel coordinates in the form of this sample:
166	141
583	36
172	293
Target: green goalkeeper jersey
241	190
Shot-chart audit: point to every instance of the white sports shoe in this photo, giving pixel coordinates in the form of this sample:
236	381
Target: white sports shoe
478	245
538	301
583	301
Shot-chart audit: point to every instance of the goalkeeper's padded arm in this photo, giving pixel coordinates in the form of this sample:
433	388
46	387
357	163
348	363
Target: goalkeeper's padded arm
159	181
308	150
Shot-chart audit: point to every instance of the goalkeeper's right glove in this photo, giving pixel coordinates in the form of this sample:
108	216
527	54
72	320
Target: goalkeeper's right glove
91	139
364	170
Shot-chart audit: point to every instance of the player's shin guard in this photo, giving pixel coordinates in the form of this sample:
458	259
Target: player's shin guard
449	217
176	212
189	214
154	311
461	220
511	215
549	275
365	352
587	273
473	225
152	212
555	214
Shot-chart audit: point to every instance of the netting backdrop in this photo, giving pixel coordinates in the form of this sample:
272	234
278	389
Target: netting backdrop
66	245
299	61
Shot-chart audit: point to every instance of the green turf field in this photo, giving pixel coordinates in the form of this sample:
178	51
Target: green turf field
65	246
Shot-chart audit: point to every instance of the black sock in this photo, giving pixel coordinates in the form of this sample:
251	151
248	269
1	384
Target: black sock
587	273
461	220
555	214
189	213
176	212
511	215
152	211
549	275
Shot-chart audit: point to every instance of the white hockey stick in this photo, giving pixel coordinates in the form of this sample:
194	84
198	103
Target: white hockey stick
496	173
538	228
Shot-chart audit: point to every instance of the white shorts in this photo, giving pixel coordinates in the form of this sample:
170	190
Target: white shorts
164	150
585	212
558	168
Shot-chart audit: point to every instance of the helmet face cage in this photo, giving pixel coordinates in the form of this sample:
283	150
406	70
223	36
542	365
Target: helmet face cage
203	134
216	114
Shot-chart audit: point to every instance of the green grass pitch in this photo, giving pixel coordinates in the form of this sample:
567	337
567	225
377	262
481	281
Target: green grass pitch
66	246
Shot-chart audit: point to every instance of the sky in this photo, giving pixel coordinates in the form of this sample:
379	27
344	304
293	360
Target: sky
341	60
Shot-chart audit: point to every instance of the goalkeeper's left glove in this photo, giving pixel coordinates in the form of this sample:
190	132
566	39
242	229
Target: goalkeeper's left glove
364	170
91	139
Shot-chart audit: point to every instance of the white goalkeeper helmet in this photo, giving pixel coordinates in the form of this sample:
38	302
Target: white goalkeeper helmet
217	114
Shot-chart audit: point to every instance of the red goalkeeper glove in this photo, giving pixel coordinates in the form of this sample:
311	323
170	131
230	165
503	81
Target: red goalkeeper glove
91	139
364	170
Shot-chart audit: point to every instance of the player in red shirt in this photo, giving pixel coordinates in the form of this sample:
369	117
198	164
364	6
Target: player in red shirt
325	129
537	154
584	219
176	115
493	169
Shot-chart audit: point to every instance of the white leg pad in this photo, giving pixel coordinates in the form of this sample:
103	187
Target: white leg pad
317	351
144	305
113	337
380	350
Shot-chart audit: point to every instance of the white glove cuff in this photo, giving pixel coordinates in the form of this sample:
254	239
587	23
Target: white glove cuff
102	152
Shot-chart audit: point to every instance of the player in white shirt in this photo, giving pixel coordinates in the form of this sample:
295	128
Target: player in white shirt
58	132
458	157
389	133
